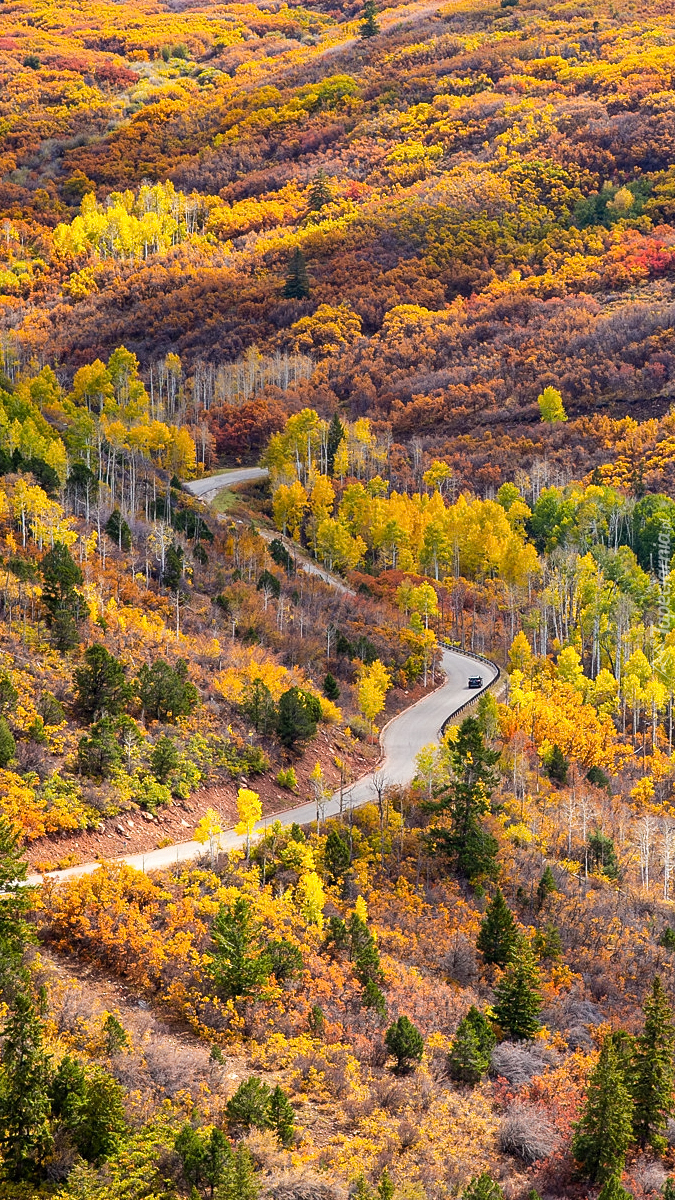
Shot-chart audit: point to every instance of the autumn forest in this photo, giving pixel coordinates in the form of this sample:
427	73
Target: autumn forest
337	600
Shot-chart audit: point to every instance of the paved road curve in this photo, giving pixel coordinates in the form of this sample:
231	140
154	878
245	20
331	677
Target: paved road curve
402	739
207	488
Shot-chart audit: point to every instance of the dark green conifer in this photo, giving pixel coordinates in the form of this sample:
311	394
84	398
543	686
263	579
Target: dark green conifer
336	857
404	1041
282	1116
101	689
483	1187
369	25
612	1190
374	998
557	766
297	279
466	1062
25	1105
653	1075
385	1188
64	604
498	933
336	432
319	191
462	836
15	902
517	997
7	744
604	1131
546	886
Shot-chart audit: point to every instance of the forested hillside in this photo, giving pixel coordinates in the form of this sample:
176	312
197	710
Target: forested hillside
417	263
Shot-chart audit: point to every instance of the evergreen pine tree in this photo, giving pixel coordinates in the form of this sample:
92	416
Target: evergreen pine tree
101	689
259	706
557	766
65	606
498	933
471	847
483	1031
466	1063
240	1181
296	719
362	1190
404	1041
385	1188
483	1187
336	857
189	1147
624	1044
374	998
517	998
546	886
238	967
297	279
15	902
364	952
269	583
163	758
336	432
99	1121
216	1160
284	958
319	191
653	1076
25	1106
7	744
173	567
602	854
330	687
369	25
67	1090
249	1108
612	1190
604	1131
668	1190
115	1036
469	1057
282	1116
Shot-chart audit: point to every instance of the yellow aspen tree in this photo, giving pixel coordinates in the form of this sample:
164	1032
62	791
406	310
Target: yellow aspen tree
249	810
289	505
425	602
311	898
209	830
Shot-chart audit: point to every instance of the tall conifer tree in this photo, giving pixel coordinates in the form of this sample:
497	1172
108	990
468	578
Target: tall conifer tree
498	933
604	1132
297	279
653	1076
517	997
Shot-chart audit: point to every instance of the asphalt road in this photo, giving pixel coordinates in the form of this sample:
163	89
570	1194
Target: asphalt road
401	739
207	488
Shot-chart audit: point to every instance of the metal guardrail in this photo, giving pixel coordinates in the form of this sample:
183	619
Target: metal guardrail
478	694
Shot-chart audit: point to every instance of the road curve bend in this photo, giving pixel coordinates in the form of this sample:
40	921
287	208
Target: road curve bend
401	740
205	489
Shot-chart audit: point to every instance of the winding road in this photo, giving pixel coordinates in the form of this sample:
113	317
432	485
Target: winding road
205	489
401	740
